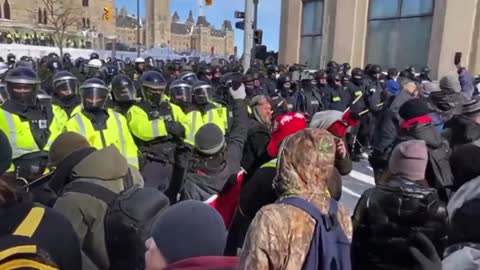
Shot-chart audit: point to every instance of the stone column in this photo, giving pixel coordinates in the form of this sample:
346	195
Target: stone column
290	30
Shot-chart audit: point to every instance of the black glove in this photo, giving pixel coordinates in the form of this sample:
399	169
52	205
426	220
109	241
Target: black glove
175	129
424	252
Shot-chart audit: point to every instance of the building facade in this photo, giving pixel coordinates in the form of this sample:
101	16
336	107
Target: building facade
163	30
29	16
392	33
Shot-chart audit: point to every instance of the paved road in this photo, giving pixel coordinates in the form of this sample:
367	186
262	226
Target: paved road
359	180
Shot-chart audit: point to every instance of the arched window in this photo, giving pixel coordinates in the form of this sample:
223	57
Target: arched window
40	15
44	16
85	3
6	9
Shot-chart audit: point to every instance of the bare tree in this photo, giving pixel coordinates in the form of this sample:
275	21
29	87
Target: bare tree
61	14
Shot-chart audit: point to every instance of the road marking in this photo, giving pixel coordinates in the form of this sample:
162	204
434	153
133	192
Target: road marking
351	192
363	177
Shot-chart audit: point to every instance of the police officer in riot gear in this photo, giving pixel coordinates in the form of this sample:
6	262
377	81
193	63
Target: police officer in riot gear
31	125
64	95
309	100
188	76
123	94
181	95
11	59
211	111
424	75
158	127
335	97
94	56
273	73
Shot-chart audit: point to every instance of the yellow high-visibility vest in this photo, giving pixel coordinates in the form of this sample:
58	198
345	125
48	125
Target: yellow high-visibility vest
116	133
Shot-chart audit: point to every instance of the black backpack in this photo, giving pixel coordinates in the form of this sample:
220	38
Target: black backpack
128	221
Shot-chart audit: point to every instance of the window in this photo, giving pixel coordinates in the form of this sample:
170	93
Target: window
40	20
6	9
84	23
311	37
88	23
85	3
45	16
399	32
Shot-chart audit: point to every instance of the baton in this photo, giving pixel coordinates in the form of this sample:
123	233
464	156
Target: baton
367	110
353	103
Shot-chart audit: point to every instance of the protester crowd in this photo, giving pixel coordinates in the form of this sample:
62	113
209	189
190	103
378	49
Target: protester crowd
152	164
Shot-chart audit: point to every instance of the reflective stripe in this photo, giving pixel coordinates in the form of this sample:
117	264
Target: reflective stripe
17	151
133	161
156	133
210	116
191	136
30	224
120	129
81	125
271	164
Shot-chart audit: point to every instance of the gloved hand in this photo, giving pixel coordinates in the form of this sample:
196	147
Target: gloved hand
425	253
175	129
238	92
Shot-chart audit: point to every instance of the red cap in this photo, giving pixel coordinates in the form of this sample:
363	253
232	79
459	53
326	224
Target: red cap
283	126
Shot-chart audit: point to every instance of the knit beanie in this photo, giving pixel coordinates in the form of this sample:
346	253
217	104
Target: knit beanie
64	145
209	139
450	84
471	108
413	108
189	229
5	153
283	126
409	159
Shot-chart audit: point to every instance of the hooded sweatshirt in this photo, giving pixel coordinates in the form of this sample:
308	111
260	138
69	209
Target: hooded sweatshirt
280	229
466	255
107	168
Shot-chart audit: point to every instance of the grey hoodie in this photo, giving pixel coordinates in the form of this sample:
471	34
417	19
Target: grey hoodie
467	258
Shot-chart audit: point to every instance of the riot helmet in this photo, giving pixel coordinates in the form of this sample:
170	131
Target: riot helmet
94	94
357	76
123	89
64	85
334	79
54	65
149	62
346	67
181	92
94	56
425	70
375	72
189	77
202	93
153	86
11	58
22	86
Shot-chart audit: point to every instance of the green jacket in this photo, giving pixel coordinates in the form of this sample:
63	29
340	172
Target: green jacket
105	167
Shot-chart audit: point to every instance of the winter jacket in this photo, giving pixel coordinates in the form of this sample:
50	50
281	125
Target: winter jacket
393	87
385	219
461	130
200	184
280	235
466	81
107	168
336	98
54	233
438	172
464	249
255	148
387	129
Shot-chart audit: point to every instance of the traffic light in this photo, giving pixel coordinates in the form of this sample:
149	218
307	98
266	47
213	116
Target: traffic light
107	14
208	2
258	36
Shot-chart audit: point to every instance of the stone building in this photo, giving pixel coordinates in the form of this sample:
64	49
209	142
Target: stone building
393	33
200	36
28	16
126	30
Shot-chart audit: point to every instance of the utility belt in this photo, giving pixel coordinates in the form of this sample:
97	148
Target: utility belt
159	151
31	166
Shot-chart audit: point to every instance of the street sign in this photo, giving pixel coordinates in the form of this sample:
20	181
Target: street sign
240	25
239	15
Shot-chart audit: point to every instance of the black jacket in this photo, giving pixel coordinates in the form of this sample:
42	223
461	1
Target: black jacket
52	228
336	98
387	217
387	129
438	173
200	184
255	149
461	130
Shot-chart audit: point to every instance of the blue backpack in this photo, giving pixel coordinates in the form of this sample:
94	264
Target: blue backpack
330	247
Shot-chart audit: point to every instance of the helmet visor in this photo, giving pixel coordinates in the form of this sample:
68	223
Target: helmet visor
66	87
94	98
202	95
124	94
23	93
182	94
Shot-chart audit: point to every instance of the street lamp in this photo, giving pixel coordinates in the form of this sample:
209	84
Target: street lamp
138	28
